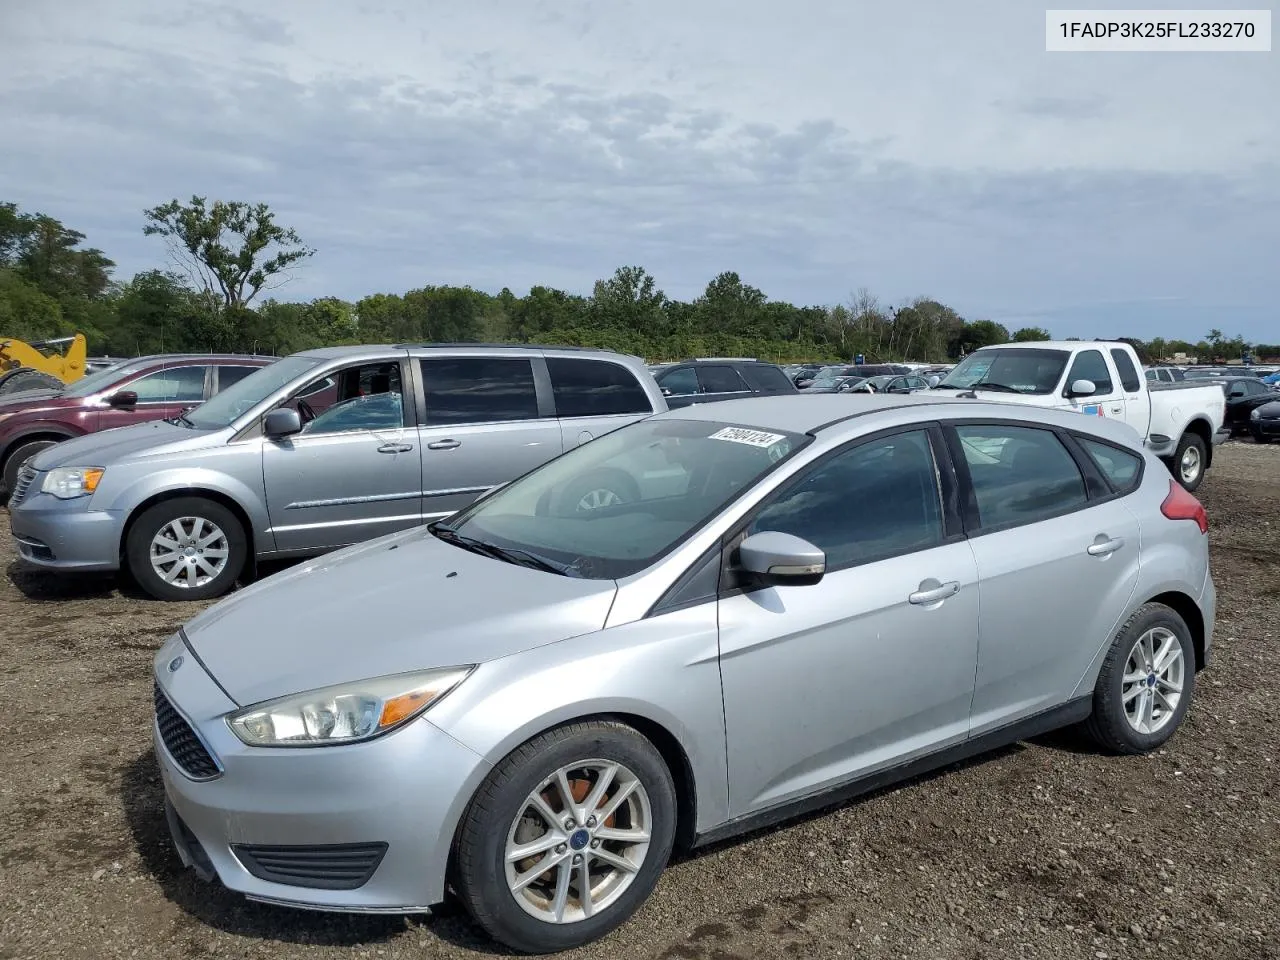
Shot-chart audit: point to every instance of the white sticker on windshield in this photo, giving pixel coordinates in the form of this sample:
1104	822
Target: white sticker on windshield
755	438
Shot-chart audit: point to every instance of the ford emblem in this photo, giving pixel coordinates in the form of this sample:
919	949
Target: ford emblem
174	664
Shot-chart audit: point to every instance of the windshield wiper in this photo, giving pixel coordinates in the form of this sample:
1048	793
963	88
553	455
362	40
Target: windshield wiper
521	558
949	386
991	385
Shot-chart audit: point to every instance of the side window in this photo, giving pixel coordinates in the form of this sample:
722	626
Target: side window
367	397
1122	467
876	500
378	411
1020	474
767	378
1153	375
595	388
1128	372
227	375
178	385
478	390
717	379
1090	365
679	383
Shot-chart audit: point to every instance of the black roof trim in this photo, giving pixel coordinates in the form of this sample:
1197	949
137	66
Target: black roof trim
500	346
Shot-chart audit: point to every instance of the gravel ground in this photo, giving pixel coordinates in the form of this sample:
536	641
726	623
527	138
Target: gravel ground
1044	850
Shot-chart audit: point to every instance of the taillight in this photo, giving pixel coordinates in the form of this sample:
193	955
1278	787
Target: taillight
1181	505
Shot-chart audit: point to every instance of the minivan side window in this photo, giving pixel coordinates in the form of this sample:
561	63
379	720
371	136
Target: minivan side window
1020	474
1128	372
595	388
1090	365
872	501
478	390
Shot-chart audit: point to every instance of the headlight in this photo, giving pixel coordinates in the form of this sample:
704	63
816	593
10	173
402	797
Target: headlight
67	483
1255	413
345	713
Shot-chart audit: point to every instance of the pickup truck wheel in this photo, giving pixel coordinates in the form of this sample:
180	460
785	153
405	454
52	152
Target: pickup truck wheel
186	549
21	455
1188	461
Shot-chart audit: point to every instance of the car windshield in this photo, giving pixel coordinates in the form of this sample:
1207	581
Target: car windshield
226	406
615	505
1022	371
100	379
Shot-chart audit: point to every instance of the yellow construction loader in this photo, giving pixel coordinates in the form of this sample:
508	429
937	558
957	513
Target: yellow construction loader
40	364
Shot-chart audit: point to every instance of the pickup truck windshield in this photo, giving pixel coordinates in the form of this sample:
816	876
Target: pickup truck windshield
226	406
1024	370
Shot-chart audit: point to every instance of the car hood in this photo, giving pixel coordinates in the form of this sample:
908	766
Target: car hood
403	602
135	442
32	398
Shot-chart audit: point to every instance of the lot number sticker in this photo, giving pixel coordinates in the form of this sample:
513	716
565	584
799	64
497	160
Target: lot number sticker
754	438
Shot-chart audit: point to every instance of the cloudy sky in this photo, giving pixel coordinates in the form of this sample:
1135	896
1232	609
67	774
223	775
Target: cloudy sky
928	148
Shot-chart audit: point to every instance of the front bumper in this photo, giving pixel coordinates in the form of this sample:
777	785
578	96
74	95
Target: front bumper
406	790
1266	428
65	535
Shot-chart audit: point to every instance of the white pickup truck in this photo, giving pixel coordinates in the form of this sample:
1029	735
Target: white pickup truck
1179	422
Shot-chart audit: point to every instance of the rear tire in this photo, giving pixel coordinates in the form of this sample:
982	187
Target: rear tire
1146	683
1189	461
189	548
511	809
23	453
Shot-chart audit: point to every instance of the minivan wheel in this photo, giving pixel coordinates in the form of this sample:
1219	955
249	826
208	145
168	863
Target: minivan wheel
20	456
1146	683
566	837
1188	461
188	548
598	490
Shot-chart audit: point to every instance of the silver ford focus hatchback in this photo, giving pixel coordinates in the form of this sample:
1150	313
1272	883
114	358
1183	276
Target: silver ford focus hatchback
531	703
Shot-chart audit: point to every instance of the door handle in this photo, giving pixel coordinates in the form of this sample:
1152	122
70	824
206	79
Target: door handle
934	594
1117	409
1104	548
395	448
444	445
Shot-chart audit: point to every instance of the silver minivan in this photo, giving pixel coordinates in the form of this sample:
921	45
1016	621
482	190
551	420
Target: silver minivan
317	451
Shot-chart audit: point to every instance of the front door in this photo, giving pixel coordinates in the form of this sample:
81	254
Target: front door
354	472
874	664
483	425
162	395
1107	400
1042	622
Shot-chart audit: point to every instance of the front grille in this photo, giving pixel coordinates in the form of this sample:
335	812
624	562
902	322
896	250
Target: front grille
26	477
338	866
181	741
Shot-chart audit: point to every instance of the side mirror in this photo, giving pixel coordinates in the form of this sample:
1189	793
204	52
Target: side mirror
281	422
123	399
773	558
1082	388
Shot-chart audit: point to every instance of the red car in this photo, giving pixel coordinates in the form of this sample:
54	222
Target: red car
132	391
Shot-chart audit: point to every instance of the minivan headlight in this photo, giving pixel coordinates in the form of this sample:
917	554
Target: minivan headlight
346	712
67	483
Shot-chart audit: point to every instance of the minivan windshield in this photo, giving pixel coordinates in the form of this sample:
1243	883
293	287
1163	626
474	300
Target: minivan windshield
227	406
615	505
1026	370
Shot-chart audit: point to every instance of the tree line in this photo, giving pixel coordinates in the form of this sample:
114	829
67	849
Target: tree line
226	260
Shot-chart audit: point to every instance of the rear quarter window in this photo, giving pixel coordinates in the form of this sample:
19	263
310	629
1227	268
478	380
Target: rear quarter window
595	388
1122	468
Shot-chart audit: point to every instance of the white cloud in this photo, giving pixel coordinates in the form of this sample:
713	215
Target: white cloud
930	147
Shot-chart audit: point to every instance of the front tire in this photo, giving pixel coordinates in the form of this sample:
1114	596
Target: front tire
20	456
1189	460
188	548
1147	680
566	837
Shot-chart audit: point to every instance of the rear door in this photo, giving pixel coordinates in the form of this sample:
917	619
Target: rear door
1133	392
1057	560
354	472
484	423
593	397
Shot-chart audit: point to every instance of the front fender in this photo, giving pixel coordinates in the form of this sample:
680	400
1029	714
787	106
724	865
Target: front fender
133	495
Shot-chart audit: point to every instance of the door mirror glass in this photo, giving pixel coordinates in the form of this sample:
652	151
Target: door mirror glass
1082	388
282	422
123	399
774	558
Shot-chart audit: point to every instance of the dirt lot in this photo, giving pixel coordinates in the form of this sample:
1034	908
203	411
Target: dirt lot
1045	850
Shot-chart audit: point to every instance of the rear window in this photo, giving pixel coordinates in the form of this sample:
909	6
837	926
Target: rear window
768	379
1122	468
595	388
478	390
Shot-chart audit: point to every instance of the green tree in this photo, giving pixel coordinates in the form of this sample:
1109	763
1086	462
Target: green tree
1030	335
231	250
